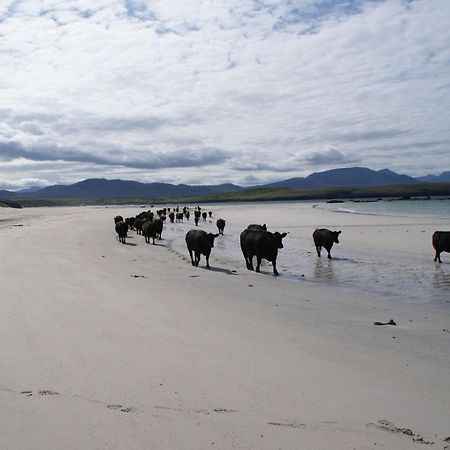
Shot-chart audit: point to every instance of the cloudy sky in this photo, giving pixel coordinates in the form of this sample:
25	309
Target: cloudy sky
212	91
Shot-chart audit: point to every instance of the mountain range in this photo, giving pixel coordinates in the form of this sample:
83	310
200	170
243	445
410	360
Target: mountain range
101	188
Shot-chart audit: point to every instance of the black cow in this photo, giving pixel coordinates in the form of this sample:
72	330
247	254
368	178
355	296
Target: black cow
254	226
325	238
150	230
196	219
118	219
441	243
204	215
130	222
179	217
121	230
159	225
262	244
187	214
171	217
200	242
138	225
220	225
210	214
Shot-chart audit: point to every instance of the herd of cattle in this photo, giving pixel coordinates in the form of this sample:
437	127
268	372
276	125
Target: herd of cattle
255	240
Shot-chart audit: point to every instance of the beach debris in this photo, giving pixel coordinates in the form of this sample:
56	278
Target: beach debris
446	331
194	276
138	276
18	225
447	439
27	393
387	322
121	408
223	410
387	425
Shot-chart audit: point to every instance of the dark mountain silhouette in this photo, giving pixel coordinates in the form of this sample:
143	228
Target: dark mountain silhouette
353	176
444	177
103	189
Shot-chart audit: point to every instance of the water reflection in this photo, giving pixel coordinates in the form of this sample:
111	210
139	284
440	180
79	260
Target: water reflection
441	278
324	269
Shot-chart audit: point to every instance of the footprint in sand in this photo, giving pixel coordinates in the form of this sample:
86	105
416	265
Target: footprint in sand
121	408
290	425
47	392
27	393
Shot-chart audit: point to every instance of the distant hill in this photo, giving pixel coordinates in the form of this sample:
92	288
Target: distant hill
101	189
353	176
444	177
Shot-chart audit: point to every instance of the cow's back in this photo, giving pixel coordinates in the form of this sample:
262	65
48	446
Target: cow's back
322	235
441	241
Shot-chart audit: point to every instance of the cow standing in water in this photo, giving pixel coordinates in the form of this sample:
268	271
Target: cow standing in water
200	243
325	238
220	225
263	245
441	243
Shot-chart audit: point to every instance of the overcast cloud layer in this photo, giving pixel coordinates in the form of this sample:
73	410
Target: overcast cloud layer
212	91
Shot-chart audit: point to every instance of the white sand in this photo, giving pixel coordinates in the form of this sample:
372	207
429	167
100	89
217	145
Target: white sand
198	359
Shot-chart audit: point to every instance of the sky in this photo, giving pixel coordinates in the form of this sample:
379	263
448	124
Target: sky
217	91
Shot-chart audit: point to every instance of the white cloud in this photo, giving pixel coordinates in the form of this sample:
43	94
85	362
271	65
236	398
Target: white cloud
153	90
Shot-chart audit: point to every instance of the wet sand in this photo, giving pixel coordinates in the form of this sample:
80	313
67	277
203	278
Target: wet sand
128	346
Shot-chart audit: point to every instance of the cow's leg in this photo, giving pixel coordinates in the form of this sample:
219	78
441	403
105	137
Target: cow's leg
275	271
318	248
207	262
258	263
438	256
192	259
329	254
197	258
249	258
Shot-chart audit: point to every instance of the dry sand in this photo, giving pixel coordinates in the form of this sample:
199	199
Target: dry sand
107	345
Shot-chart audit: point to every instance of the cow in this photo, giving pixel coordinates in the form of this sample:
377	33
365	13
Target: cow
138	225
118	219
220	225
262	244
325	238
200	242
196	219
171	216
254	226
179	217
204	215
187	214
441	243
150	230
159	225
130	222
121	230
210	214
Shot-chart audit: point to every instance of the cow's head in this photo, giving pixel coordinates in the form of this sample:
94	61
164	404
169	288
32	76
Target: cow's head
336	236
211	238
278	237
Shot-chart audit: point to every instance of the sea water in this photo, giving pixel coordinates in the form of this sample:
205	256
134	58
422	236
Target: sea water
397	275
418	208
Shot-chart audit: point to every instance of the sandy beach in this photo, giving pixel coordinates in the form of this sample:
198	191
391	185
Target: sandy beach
108	345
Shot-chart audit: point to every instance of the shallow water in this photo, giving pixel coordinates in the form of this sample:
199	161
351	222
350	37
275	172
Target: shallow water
418	208
397	275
